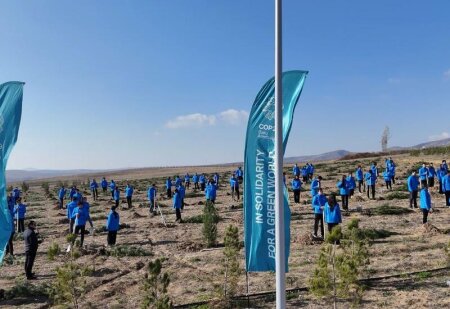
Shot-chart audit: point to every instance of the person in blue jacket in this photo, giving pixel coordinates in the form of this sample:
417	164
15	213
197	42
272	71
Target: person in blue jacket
129	195
240	175
446	188
304	173
182	193
79	215
72	192
195	181
116	194
211	191
94	189
343	191
425	203
423	175
104	185
391	170
311	169
445	166
77	196
19	212
431	175
112	188
187	181
296	170
387	179
413	187
216	178
440	176
112	226
61	196
318	203
351	184
234	186
69	208
374	169
296	188
151	194
316	183
177	205
169	187
202	181
332	213
16	194
87	209
370	183
177	181
360	179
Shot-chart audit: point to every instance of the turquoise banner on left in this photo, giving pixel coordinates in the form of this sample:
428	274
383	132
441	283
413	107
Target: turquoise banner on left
11	94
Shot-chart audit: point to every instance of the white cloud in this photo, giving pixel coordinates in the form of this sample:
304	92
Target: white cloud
447	74
438	137
233	116
191	120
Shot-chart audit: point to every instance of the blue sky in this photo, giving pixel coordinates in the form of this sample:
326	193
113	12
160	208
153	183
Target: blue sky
113	84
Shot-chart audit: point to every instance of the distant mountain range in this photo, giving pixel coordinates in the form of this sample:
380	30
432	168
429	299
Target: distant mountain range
34	174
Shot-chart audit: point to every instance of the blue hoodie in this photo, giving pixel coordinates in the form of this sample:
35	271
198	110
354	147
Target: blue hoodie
113	221
446	183
216	178
304	171
62	193
425	199
20	210
343	188
374	173
315	184
239	172
112	185
369	179
80	216
413	183
181	191
117	195
94	185
387	176
129	191
187	178
176	201
296	170
318	202
104	183
195	178
332	215
296	184
351	184
151	193
70	207
168	184
440	174
431	172
359	174
202	179
210	191
423	173
177	181
234	182
72	193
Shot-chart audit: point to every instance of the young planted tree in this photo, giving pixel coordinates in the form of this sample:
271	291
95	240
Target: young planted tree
231	262
340	263
210	219
385	139
46	188
155	287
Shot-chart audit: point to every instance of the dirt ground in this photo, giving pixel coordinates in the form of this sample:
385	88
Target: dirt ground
195	271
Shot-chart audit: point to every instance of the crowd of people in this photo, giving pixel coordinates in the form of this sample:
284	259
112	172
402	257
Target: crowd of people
325	207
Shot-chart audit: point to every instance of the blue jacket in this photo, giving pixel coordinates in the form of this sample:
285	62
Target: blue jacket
112	186
446	183
359	174
311	169
441	174
129	191
210	192
425	199
94	185
370	181
16	193
202	179
181	191
20	210
151	193
168	184
70	207
296	184
374	171
62	193
77	196
431	172
177	181
72	193
423	173
195	178
239	172
176	201
80	216
332	215
216	178
387	176
413	183
296	170
351	184
113	221
187	178
116	195
315	184
318	202
234	182
104	183
304	171
445	167
343	188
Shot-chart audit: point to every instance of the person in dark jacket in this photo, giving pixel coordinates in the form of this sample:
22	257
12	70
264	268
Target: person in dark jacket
30	237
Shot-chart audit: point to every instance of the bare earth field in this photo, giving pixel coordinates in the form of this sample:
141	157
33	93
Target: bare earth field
195	270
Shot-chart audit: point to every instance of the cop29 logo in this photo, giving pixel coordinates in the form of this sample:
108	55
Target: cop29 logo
269	109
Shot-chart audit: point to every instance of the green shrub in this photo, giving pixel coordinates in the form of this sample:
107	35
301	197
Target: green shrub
210	219
387	209
397	196
121	251
194	219
155	287
53	251
26	290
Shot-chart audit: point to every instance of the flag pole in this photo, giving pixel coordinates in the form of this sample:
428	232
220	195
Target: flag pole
280	267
